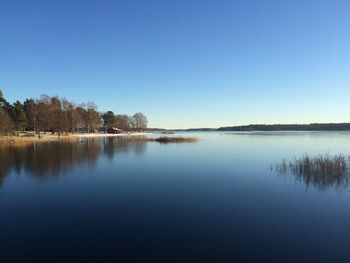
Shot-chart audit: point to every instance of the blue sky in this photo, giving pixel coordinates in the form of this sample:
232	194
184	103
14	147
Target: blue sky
183	63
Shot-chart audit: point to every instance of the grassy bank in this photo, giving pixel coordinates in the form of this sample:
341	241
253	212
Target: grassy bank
23	140
27	139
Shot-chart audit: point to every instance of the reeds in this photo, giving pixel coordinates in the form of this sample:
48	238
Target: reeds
28	139
322	171
166	139
24	140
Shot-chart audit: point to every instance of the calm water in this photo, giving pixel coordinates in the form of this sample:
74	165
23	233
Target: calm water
110	200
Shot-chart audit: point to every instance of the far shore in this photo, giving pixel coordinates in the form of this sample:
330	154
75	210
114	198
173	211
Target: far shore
48	137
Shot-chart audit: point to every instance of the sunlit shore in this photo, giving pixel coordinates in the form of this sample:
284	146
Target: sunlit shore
81	135
48	137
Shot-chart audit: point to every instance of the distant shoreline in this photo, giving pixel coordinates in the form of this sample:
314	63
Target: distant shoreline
277	127
27	138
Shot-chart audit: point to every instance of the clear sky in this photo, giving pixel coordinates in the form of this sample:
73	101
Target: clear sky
184	63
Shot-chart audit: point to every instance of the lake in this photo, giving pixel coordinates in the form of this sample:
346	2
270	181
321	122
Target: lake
217	200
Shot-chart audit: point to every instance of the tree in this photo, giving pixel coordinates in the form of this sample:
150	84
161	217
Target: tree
131	122
69	118
6	124
140	121
123	122
60	115
6	106
39	114
3	102
56	118
20	118
92	118
45	120
31	110
109	120
80	118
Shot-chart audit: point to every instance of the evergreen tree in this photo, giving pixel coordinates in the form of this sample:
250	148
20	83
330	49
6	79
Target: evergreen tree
6	124
4	104
19	116
109	119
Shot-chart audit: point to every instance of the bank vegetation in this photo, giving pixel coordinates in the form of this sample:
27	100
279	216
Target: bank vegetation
59	116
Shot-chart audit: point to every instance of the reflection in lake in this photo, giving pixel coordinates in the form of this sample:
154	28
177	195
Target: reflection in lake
322	171
44	160
106	199
115	145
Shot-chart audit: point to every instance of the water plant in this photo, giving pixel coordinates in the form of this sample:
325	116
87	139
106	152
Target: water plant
322	171
167	139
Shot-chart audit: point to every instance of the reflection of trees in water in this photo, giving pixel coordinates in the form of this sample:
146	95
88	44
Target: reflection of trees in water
115	145
323	171
47	159
44	160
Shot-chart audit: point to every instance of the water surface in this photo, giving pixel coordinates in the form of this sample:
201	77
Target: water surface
109	200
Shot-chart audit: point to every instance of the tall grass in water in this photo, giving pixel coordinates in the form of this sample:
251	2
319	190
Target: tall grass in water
166	139
30	139
322	171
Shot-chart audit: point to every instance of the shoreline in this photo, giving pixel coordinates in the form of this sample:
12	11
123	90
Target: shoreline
23	140
93	135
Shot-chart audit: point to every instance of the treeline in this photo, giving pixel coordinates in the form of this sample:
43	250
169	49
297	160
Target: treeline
290	127
59	115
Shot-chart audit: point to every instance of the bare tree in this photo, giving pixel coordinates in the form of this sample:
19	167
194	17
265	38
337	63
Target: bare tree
80	118
31	111
69	115
93	118
140	121
123	122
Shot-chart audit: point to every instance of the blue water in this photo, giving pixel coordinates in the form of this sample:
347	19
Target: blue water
217	200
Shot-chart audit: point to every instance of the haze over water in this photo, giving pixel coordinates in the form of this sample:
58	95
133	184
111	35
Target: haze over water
216	200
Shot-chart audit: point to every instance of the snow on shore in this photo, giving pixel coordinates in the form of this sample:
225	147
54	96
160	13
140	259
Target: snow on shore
81	135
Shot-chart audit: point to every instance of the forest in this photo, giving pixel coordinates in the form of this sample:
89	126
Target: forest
290	127
59	115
